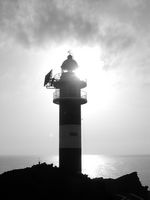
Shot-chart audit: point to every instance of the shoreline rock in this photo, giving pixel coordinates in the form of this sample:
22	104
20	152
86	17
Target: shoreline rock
43	181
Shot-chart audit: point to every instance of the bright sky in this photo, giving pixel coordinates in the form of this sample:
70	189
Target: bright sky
110	41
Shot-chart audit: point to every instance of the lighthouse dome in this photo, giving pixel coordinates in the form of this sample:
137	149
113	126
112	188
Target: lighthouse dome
69	64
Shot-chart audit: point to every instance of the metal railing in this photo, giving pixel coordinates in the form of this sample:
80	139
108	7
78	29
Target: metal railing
56	95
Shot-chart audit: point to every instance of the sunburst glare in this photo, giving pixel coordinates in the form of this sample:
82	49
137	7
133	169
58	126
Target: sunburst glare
101	83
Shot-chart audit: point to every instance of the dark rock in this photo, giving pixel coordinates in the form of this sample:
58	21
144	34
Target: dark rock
44	181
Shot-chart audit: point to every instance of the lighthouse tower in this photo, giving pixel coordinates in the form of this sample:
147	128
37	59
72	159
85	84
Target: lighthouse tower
69	96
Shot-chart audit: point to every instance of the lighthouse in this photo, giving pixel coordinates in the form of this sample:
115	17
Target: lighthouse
69	96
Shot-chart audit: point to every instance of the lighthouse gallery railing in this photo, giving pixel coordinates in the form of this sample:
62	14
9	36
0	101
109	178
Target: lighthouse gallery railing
56	95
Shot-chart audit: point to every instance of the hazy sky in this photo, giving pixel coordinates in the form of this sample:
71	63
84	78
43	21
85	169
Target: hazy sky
110	40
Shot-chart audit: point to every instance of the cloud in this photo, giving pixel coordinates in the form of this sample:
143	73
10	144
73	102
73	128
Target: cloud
133	3
37	22
117	26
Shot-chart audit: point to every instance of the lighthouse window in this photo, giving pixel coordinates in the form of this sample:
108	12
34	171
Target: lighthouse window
73	133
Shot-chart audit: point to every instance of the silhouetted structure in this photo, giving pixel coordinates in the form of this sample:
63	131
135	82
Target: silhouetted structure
69	96
44	182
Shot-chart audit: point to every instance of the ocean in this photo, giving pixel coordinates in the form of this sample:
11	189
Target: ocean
92	165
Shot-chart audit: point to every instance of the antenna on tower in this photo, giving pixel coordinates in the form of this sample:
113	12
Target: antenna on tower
69	52
48	78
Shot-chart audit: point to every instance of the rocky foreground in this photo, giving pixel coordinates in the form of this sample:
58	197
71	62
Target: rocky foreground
44	181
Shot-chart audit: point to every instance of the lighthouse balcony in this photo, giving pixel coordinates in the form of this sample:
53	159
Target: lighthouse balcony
57	98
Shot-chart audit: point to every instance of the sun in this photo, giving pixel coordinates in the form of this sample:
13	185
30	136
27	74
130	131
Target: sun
101	84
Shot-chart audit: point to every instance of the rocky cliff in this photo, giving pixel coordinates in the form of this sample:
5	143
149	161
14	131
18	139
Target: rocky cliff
44	181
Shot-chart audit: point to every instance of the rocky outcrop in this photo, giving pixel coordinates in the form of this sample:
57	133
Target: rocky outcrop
44	181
